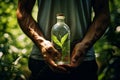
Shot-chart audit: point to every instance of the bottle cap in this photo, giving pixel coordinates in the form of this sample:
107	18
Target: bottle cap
60	16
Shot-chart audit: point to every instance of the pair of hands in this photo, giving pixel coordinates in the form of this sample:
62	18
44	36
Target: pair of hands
50	54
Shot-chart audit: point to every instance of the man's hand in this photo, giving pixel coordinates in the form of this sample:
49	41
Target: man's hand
48	50
77	55
50	54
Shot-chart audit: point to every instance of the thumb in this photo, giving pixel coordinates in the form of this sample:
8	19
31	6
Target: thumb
75	58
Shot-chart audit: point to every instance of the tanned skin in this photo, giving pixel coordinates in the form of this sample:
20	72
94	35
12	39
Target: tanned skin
31	29
95	31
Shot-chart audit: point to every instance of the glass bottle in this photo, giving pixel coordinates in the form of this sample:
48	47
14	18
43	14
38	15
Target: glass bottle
60	37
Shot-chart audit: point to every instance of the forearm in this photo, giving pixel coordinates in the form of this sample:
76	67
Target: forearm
30	28
27	23
99	24
96	30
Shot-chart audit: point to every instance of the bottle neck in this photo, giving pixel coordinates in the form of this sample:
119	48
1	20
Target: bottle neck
60	20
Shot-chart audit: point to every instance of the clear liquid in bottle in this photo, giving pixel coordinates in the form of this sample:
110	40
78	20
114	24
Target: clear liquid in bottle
60	37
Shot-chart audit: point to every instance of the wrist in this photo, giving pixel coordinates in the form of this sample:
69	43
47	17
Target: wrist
87	44
40	41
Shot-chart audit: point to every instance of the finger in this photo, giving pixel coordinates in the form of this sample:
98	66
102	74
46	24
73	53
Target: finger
75	59
49	60
76	56
62	69
54	53
67	67
55	67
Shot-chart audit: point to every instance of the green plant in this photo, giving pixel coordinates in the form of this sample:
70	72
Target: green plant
61	43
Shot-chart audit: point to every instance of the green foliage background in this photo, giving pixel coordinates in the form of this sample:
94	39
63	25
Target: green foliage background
16	46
